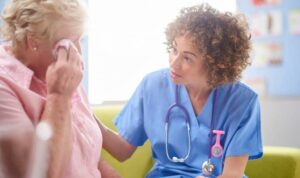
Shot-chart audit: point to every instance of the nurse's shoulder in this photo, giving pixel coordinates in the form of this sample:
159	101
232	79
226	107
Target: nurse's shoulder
237	89
238	104
237	95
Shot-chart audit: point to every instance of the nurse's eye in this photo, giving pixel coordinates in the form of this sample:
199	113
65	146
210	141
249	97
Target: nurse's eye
187	59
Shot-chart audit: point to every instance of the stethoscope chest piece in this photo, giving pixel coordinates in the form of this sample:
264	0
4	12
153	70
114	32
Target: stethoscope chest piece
208	168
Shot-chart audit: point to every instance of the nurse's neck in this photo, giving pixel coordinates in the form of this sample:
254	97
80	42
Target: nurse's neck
198	92
198	96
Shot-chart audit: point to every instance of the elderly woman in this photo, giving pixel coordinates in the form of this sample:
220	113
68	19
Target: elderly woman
200	119
38	84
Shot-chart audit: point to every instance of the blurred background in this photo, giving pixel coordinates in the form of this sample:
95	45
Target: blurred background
125	41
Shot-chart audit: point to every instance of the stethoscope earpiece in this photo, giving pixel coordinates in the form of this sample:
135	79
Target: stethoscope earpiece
177	160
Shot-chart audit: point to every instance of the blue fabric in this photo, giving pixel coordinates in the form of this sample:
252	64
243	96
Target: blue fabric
236	112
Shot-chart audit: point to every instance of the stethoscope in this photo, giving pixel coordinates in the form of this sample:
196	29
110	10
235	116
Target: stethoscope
215	150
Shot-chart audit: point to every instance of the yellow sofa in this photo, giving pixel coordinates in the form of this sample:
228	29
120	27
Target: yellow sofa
140	162
277	162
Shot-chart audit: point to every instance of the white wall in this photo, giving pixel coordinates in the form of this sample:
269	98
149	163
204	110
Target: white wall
281	121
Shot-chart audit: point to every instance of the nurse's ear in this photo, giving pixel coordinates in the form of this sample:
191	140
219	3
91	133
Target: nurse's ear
31	42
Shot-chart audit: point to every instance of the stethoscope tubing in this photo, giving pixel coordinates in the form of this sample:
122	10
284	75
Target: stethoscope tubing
212	124
188	126
175	159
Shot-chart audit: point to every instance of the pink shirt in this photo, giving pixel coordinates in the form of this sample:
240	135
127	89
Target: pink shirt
22	97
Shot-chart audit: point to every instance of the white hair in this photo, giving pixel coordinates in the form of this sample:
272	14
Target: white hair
40	17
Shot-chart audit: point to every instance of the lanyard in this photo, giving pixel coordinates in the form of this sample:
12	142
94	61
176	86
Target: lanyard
212	123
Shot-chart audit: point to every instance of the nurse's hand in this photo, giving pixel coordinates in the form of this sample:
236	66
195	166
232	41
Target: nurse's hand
107	171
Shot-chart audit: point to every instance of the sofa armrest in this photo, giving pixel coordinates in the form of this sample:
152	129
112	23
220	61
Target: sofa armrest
277	162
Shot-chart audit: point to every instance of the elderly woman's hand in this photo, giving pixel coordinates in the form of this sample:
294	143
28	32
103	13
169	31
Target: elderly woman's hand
65	74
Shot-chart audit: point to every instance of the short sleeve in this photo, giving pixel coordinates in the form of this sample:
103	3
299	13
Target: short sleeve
130	121
12	114
247	138
16	131
15	125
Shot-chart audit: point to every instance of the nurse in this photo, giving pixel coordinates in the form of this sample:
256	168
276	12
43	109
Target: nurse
200	119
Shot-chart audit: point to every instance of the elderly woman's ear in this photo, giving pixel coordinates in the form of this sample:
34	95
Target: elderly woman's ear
31	42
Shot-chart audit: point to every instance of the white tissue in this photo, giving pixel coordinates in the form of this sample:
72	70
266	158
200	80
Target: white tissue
64	43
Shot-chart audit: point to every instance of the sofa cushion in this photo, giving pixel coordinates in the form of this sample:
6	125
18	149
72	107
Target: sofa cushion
277	162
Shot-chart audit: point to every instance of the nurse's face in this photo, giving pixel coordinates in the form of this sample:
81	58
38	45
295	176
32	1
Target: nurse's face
187	65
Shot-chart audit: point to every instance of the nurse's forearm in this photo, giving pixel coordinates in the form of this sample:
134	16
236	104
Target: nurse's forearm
230	176
115	144
234	166
57	113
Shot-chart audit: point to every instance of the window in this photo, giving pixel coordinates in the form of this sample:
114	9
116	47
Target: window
126	41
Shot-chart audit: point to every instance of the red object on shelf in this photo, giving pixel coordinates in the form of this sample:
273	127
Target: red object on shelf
258	2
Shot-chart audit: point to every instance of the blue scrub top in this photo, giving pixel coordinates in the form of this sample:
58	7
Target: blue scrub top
236	111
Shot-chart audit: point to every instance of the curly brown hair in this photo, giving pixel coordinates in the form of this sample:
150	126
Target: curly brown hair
222	38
